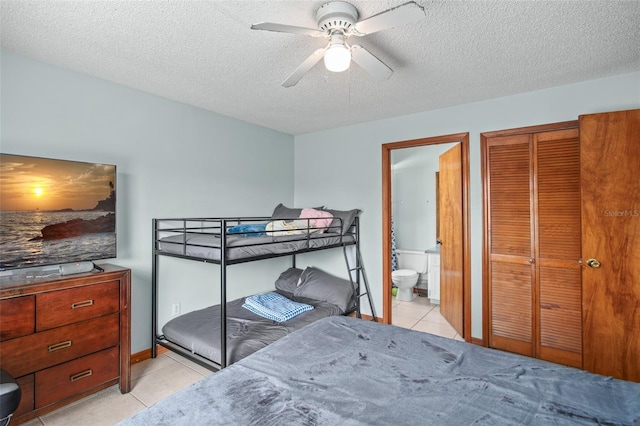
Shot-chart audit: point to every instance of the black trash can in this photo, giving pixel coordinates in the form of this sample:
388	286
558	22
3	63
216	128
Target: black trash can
10	395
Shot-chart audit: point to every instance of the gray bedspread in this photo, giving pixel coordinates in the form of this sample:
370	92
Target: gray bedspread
199	331
207	246
346	371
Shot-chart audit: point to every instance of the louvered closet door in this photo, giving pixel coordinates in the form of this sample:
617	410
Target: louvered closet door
511	271
557	252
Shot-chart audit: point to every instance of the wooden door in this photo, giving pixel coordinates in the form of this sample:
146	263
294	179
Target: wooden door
610	165
558	285
533	242
451	235
510	270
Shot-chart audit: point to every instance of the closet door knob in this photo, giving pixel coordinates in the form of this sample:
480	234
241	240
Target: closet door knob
593	263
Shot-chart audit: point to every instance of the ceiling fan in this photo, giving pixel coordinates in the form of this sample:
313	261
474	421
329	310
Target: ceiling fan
337	21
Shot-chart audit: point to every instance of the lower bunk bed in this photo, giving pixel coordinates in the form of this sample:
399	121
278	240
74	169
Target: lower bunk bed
342	370
198	332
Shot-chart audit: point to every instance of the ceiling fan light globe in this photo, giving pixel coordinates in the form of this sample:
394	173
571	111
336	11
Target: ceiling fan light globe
337	58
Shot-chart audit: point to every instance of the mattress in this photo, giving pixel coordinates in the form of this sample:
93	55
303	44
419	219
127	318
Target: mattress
207	246
342	370
199	331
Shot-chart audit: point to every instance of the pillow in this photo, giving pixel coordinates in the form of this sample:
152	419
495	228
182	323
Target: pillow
318	219
318	285
284	212
347	216
287	282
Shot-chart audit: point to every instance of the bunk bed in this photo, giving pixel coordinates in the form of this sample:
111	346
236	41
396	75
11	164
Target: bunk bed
342	370
225	333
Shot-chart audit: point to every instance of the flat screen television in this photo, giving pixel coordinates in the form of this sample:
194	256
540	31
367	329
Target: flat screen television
55	211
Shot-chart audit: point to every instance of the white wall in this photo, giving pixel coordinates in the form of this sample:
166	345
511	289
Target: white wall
173	160
353	178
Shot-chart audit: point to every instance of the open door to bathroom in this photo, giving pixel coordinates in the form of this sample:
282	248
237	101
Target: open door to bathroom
450	205
462	139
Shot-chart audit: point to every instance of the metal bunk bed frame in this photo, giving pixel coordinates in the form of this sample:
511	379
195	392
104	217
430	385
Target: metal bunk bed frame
221	224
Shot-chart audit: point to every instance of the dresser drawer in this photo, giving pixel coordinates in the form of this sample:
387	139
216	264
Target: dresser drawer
70	378
62	307
35	352
17	317
27	403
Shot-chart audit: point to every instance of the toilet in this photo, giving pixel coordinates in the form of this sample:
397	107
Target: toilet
411	264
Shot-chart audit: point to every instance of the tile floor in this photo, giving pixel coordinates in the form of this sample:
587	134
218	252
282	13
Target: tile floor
421	315
155	379
152	380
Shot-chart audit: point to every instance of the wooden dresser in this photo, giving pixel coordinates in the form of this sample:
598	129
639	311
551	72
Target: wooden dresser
65	337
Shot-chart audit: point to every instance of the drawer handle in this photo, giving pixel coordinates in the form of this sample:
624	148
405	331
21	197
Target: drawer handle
61	345
82	304
81	375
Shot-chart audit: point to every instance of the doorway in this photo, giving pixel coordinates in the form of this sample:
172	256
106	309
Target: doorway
458	308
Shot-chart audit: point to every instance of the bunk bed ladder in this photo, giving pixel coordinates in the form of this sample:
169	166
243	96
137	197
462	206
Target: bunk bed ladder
360	272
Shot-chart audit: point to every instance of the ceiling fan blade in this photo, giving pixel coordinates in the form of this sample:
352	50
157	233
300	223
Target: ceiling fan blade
403	14
374	66
303	68
281	28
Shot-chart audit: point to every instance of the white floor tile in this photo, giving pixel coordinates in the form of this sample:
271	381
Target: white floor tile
151	388
190	364
96	410
421	315
404	322
152	380
439	329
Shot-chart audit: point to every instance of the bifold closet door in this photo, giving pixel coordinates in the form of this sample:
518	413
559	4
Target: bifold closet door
511	269
533	244
557	248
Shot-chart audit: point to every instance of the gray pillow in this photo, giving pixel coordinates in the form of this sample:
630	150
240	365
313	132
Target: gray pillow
287	282
318	285
347	216
283	212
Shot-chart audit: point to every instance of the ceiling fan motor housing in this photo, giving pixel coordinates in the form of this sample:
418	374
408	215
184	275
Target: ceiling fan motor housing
336	16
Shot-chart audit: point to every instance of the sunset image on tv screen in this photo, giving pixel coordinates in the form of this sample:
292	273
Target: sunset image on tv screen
55	211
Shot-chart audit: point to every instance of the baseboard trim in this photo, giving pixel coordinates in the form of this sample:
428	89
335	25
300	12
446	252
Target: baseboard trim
146	354
479	342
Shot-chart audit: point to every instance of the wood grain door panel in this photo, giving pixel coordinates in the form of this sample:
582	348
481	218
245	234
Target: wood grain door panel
511	308
558	244
510	273
510	196
533	235
610	161
451	235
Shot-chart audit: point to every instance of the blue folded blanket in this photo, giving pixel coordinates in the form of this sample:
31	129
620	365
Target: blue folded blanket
275	306
248	229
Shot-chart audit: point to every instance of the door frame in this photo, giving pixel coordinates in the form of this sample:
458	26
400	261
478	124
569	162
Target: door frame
463	139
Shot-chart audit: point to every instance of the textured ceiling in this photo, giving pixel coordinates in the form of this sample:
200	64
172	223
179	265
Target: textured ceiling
204	53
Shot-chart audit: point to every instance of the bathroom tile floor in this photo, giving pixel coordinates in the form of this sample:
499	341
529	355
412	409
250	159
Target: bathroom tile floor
421	315
155	379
